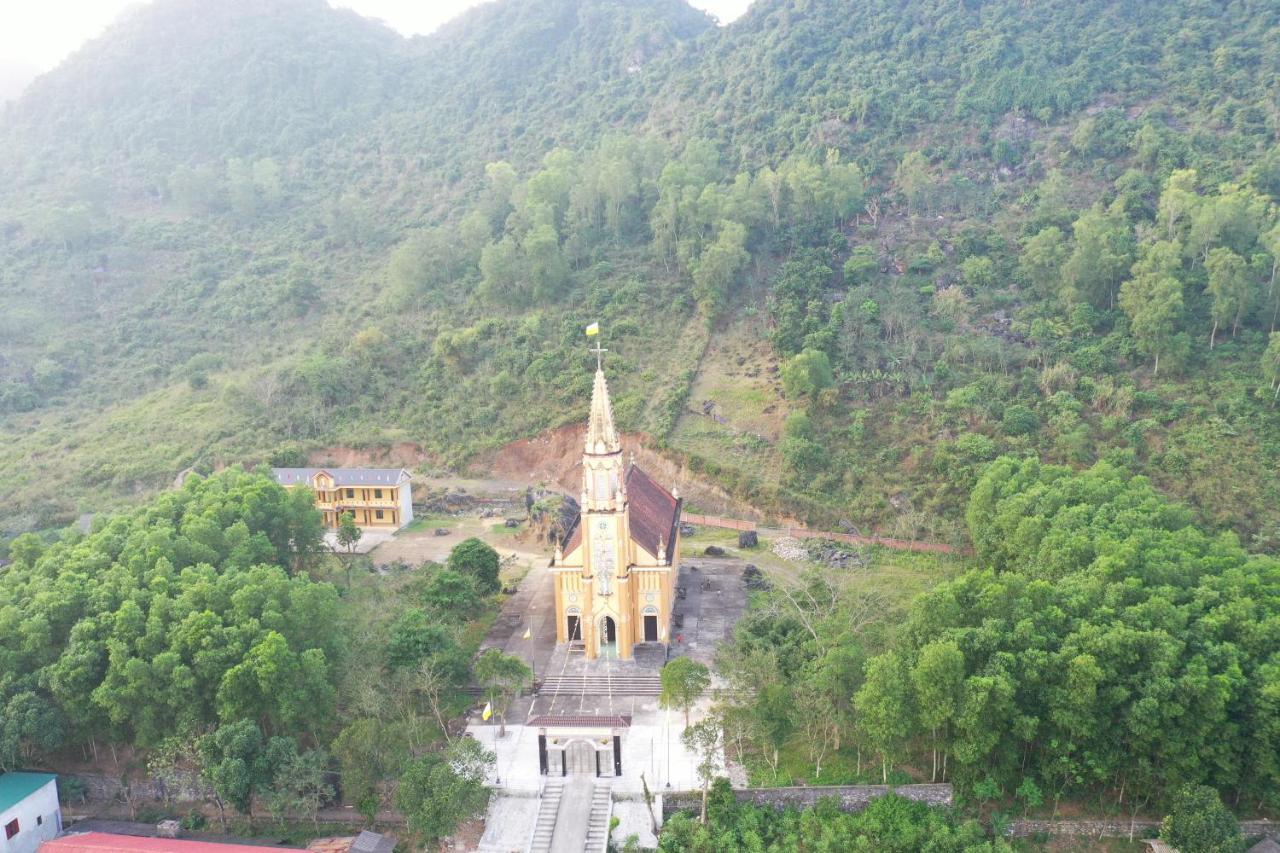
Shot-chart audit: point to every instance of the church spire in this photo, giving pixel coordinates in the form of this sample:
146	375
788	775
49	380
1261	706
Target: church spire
602	436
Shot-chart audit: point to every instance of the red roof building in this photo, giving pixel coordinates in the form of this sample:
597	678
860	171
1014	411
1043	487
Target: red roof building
105	842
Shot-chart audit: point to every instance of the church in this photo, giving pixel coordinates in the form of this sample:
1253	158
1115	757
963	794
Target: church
615	573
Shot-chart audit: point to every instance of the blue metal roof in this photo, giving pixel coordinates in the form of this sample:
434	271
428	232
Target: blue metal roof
342	476
16	787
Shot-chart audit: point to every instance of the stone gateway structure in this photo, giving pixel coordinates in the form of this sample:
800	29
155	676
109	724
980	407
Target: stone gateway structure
615	572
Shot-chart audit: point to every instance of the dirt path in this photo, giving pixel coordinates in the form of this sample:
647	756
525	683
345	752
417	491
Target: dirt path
421	543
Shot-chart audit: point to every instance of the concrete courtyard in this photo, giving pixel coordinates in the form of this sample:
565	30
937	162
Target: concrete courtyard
652	751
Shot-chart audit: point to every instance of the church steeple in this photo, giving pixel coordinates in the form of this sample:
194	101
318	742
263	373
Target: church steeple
602	436
603	474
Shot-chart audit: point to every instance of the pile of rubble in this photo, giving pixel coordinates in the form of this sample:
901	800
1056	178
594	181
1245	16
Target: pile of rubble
790	549
821	551
834	554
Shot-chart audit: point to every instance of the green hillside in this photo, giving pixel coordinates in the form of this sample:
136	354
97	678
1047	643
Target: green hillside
847	253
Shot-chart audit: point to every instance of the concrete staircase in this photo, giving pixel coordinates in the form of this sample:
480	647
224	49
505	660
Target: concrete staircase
601	813
601	685
545	827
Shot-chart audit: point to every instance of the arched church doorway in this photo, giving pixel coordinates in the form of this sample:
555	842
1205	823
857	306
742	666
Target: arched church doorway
608	638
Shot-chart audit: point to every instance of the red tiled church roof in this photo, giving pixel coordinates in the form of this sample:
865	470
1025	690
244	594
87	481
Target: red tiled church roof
574	539
653	512
580	721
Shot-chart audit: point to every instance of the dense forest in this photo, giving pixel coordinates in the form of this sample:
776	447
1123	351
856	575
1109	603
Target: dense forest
1102	649
209	635
846	256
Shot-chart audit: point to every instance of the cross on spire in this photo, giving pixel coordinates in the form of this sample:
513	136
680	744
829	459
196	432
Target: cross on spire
599	351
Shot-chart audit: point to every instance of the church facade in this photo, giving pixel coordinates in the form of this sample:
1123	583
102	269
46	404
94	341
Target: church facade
615	573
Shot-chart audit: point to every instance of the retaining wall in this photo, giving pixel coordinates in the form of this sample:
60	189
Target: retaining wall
1119	828
852	798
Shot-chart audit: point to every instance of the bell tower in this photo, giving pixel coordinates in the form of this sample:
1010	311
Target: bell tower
604	527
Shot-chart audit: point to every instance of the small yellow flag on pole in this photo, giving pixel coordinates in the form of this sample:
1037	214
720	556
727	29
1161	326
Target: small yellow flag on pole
487	712
528	632
593	329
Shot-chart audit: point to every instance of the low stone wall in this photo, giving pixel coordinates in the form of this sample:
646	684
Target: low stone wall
852	798
99	788
1119	828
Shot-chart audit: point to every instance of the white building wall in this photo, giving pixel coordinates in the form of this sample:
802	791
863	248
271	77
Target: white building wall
39	820
406	503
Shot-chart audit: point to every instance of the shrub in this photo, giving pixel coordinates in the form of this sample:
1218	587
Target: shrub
861	266
476	559
1198	822
1019	420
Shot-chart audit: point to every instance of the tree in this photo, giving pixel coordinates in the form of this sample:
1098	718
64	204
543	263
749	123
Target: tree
239	764
1042	258
501	676
818	719
442	789
1178	203
451	595
884	703
372	754
298	787
979	272
547	269
30	726
938	677
283	690
863	263
348	532
807	374
1099	259
684	680
478	560
1228	288
418	636
1271	366
771	720
912	179
302	527
1152	299
718	268
502	271
1198	822
1271	242
703	740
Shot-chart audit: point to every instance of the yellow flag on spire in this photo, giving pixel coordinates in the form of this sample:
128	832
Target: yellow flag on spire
528	632
487	712
593	329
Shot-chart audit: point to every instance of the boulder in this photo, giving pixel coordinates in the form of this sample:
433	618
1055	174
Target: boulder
512	522
753	579
714	551
441	531
748	539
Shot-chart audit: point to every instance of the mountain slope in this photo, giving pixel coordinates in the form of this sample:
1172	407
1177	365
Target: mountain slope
183	81
847	253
